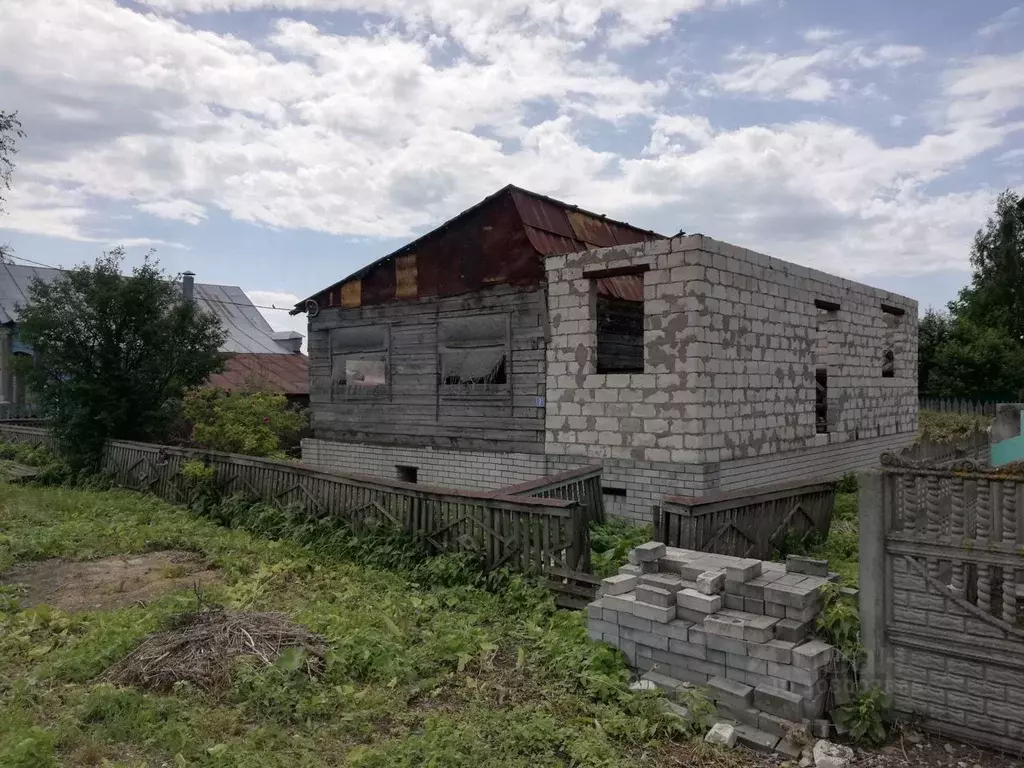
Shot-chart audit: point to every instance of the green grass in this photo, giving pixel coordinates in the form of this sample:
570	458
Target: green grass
422	670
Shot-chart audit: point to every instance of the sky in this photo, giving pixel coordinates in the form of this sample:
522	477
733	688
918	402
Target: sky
279	145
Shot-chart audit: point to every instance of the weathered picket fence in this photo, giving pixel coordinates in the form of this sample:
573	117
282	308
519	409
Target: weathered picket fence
524	533
746	523
958	405
579	485
940	591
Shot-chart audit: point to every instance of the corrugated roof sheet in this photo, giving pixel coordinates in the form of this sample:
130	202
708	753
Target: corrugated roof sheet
286	374
247	330
551	227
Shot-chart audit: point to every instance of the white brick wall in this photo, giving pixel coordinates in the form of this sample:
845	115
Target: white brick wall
469	470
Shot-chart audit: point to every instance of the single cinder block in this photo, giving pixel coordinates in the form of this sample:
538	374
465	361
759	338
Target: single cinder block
756	739
648	639
775	610
710	582
813	655
693	617
808	613
690	650
655	596
688	675
793	674
730	693
609	615
652	550
750	605
760	629
807	566
792	631
595	610
629	570
725	626
693	600
743	570
779	702
668	684
674	630
778	651
668	581
736	675
649	566
746	663
780	726
735	602
619	584
603	627
716	657
726	644
745	715
658	613
635	622
673	562
620	603
799	595
698	635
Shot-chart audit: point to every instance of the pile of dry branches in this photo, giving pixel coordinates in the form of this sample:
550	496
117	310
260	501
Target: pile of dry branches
199	648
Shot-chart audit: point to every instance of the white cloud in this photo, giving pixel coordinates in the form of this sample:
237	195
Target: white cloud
821	34
810	76
175	210
1004	21
897	121
386	131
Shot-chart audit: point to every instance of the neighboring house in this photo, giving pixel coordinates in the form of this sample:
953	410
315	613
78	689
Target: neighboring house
482	355
256	351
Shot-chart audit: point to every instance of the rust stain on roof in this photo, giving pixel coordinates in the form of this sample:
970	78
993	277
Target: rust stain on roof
286	374
498	240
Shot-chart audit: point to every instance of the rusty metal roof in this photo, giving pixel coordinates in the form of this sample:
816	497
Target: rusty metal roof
286	374
485	245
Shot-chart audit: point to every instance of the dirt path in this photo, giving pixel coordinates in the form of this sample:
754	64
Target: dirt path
110	583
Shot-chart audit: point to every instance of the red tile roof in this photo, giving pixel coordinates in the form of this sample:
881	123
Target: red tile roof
287	374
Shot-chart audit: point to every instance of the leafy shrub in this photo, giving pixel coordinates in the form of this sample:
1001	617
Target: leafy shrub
943	427
611	541
866	716
839	624
250	423
847	483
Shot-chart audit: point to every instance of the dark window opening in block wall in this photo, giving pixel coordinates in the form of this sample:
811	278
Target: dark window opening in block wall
888	364
407	474
611	490
821	401
474	354
620	324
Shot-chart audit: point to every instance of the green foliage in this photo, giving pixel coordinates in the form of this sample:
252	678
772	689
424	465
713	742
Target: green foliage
942	427
866	716
114	354
977	350
422	667
611	541
29	455
253	423
847	483
10	132
839	624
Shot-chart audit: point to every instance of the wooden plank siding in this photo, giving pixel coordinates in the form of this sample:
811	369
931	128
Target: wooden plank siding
414	411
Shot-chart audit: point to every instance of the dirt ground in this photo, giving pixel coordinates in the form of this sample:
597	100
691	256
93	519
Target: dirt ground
110	583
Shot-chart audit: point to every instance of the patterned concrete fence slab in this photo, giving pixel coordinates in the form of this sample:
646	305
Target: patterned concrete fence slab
750	523
939	596
522	533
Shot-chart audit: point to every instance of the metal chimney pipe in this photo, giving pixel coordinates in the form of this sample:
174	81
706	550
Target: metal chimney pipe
188	285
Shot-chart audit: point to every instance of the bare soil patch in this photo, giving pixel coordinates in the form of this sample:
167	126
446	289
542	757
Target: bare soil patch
110	583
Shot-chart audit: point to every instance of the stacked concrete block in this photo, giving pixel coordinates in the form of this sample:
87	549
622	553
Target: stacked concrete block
759	663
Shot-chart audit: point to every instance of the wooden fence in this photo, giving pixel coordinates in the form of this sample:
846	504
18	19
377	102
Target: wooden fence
958	405
579	485
749	523
523	533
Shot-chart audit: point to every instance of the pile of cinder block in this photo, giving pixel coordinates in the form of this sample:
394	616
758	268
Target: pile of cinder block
740	628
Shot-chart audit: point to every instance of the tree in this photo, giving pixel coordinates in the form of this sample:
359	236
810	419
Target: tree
995	297
114	354
10	132
932	335
973	361
253	422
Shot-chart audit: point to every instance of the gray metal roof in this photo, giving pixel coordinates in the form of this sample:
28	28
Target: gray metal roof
247	329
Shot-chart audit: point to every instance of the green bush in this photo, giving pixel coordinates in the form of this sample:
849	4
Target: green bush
611	541
942	427
251	423
866	716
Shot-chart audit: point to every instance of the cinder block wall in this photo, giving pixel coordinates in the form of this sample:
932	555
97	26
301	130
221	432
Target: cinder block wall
470	470
732	341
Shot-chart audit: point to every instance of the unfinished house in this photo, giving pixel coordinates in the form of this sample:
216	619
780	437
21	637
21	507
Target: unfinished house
526	337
